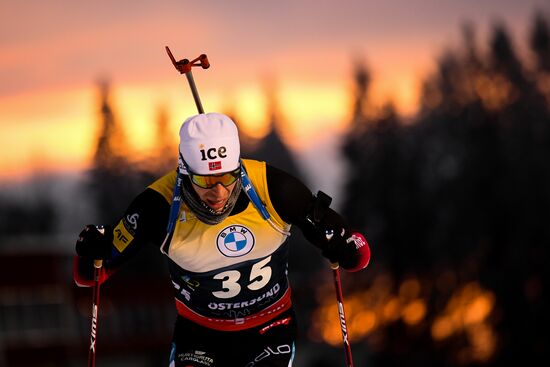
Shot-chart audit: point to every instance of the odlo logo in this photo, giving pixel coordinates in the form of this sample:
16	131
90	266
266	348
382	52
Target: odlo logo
213	153
234	241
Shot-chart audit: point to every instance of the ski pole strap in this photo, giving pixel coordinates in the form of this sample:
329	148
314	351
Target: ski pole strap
174	211
252	194
250	191
176	202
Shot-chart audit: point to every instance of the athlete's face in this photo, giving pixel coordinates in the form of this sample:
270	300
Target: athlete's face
215	197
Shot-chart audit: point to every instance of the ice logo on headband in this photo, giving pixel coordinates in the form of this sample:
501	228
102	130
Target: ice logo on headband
213	153
235	240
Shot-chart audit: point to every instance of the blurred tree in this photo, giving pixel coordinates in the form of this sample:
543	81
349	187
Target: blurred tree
272	148
164	155
540	42
464	190
111	143
540	45
168	147
371	148
360	101
523	191
114	180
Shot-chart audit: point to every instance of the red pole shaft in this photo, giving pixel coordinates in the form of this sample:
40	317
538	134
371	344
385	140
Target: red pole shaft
95	309
341	313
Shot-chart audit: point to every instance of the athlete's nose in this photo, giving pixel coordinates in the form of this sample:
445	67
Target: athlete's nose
218	189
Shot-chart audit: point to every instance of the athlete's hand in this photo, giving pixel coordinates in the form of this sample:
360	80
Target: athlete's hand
351	252
94	244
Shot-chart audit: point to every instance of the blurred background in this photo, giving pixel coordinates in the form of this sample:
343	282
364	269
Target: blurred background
427	122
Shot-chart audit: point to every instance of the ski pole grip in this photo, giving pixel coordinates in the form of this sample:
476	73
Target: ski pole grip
99	263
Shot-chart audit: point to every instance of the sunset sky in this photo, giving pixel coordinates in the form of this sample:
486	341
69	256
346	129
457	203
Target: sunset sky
52	53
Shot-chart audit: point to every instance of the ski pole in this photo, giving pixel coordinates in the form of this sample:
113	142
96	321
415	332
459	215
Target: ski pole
184	67
340	299
95	308
322	204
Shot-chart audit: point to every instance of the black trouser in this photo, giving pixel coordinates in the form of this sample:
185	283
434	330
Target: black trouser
268	345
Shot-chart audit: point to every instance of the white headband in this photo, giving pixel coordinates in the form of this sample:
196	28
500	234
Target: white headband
209	144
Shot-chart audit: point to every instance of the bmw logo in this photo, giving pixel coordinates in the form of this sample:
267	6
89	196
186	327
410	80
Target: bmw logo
234	241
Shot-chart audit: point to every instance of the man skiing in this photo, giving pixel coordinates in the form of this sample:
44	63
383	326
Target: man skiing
228	219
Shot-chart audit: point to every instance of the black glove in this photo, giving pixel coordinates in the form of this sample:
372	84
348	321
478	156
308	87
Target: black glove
93	244
351	251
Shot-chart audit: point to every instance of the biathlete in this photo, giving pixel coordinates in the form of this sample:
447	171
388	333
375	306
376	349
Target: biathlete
228	220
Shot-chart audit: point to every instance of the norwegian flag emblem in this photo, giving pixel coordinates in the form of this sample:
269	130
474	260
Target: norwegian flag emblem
214	166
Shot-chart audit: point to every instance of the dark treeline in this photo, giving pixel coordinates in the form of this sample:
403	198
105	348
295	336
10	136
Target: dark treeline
460	194
463	188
